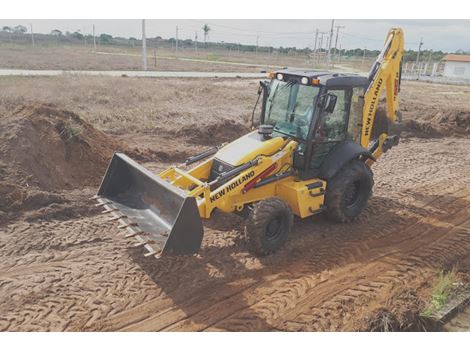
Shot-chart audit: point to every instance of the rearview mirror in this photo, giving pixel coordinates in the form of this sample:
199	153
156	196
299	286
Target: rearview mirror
329	103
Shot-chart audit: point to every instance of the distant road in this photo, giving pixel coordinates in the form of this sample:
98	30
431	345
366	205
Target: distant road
20	72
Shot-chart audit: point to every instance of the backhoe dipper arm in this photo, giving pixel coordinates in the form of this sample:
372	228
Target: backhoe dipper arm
384	75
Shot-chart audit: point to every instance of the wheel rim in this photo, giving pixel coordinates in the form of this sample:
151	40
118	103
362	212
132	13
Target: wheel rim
352	194
274	228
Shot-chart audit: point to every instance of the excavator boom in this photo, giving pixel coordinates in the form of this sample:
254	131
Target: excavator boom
384	75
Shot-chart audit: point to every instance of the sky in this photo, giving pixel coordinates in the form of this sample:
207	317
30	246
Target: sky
445	35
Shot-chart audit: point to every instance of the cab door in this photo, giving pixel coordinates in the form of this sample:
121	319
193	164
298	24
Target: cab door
331	128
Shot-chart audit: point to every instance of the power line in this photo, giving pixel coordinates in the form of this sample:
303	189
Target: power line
249	31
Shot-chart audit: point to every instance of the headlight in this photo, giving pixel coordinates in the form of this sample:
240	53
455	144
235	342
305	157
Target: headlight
304	80
279	76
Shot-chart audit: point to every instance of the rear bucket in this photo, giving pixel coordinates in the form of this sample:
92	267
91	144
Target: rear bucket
158	214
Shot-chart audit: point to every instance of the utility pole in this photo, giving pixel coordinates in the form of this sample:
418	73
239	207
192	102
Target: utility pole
329	44
144	47
364	57
428	64
320	46
315	46
336	40
417	57
257	41
32	34
195	41
94	39
176	47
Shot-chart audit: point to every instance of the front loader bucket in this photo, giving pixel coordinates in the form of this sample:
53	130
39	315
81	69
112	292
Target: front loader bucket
158	214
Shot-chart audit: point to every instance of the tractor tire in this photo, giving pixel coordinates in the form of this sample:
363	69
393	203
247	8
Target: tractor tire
268	226
348	191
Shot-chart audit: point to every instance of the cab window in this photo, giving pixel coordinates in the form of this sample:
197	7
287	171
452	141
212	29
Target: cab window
289	108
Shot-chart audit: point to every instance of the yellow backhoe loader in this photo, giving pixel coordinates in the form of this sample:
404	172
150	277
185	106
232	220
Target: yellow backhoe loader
312	151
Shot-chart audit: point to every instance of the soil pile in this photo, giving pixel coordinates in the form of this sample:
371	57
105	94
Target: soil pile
425	121
53	149
214	134
438	122
45	150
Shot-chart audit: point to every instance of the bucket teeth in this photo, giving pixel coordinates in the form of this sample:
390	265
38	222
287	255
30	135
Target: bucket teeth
132	234
140	243
149	254
152	251
118	217
149	242
132	224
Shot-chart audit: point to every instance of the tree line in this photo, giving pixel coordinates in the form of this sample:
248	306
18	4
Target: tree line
158	41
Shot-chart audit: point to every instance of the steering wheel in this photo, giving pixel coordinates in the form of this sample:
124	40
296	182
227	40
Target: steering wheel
300	121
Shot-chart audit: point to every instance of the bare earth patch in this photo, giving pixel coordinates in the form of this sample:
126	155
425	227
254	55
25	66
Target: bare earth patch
65	267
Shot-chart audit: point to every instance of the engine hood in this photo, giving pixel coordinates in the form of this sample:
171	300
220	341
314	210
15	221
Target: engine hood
247	147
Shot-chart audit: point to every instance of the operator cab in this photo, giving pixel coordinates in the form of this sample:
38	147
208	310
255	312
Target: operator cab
318	109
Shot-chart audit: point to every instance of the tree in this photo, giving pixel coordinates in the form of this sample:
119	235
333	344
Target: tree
77	35
20	29
106	38
56	33
9	30
206	30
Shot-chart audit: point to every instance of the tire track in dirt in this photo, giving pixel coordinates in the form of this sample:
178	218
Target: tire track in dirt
361	246
308	289
82	274
159	320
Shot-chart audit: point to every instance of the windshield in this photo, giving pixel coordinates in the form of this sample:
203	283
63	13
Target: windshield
289	108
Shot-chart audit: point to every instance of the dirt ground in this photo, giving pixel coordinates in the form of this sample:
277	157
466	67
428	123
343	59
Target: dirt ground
54	56
65	266
68	57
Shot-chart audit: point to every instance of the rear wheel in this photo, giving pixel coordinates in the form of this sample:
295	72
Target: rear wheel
348	191
268	226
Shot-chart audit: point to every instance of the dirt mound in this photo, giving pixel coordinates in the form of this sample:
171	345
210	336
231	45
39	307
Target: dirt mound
45	153
428	121
434	122
14	197
220	132
52	149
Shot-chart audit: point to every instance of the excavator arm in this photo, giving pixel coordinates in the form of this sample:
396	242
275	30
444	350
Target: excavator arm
385	75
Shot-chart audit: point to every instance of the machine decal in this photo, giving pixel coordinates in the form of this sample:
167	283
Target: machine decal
232	186
370	113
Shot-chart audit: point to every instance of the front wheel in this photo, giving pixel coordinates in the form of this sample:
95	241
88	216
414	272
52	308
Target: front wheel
348	191
268	226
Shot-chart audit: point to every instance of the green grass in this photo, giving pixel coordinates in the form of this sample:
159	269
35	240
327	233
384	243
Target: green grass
70	131
441	292
213	57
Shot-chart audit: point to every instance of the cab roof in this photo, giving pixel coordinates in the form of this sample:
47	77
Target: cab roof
327	78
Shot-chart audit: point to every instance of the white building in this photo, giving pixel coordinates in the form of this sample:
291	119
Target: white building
456	66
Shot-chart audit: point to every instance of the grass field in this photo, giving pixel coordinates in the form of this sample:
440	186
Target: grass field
109	57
